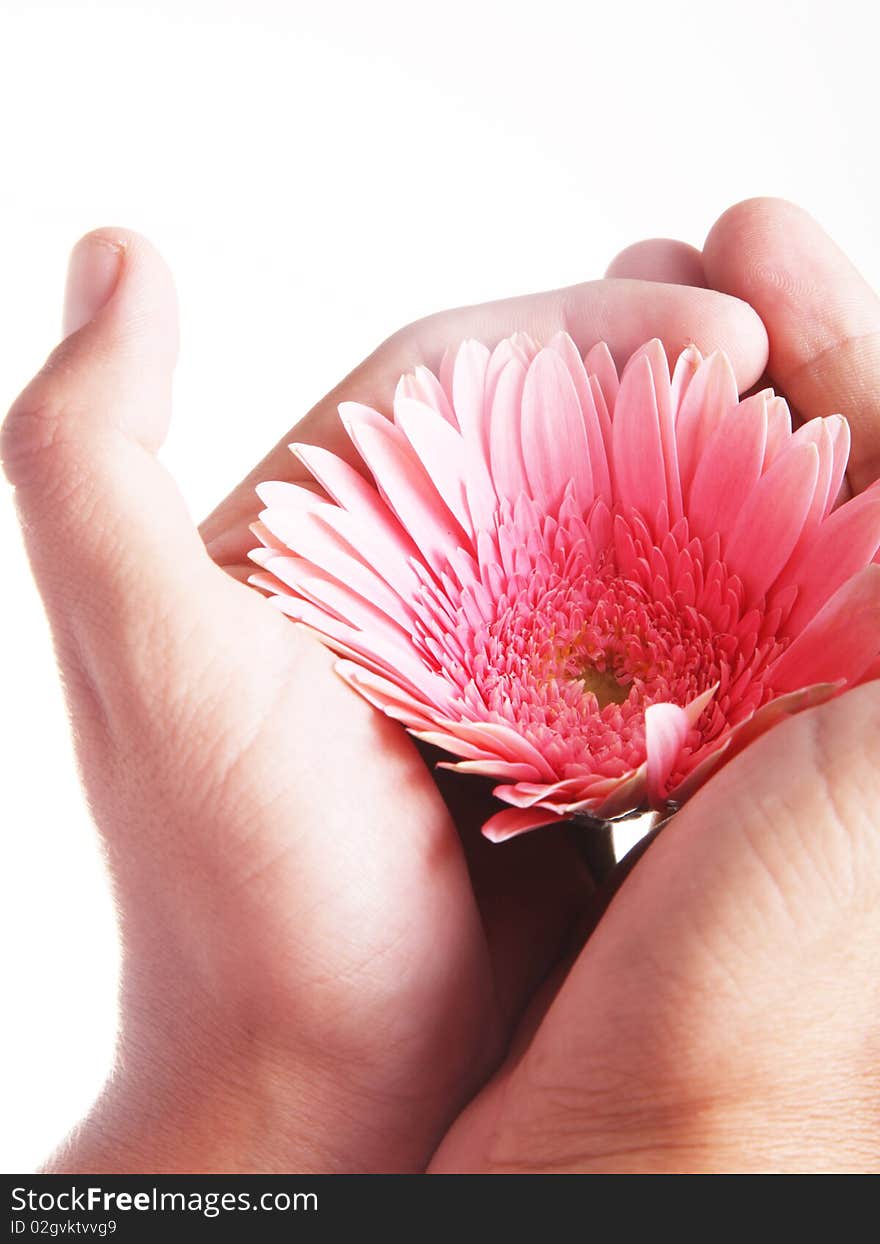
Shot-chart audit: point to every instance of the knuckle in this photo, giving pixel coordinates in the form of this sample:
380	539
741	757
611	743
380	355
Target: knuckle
28	434
40	439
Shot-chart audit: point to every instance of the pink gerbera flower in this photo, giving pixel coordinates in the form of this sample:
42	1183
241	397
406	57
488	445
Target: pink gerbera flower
594	589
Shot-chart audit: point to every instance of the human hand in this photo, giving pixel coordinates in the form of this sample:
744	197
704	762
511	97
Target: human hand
321	965
725	1014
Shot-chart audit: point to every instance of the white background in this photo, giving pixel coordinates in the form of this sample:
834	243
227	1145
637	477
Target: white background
317	174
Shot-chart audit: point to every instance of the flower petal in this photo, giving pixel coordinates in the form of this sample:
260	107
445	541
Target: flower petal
469	394
847	540
563	345
655	354
554	440
404	484
666	729
422	385
386	695
728	470
493	767
778	428
513	821
599	363
840	643
772	519
710	395
639	467
441	451
505	447
686	366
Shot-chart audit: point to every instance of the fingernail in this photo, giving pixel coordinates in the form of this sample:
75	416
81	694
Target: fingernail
92	274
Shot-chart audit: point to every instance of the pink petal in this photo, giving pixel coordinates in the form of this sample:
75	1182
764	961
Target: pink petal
385	695
266	582
778	429
846	541
501	739
817	432
285	522
266	538
602	411
493	767
629	792
290	500
516	349
389	557
686	367
666	729
775	711
336	477
322	547
441	451
513	821
747	731
840	643
505	449
482	498
403	483
528	794
599	363
423	386
469	393
563	345
343	602
453	743
772	519
655	354
841	442
710	395
639	467
729	469
554	440
387	658
365	520
350	490
445	373
666	732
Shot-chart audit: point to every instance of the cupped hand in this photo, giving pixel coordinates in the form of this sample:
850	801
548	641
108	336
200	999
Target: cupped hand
322	964
725	1013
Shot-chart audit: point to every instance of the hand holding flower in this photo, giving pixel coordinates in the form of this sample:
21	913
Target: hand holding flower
322	967
724	1014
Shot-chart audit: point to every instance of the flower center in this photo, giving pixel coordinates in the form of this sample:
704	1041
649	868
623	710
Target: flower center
604	686
590	621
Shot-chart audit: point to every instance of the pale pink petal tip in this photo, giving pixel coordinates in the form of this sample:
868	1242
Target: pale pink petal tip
515	821
592	586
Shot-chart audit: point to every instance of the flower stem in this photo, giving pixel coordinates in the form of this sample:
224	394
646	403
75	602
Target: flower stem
594	840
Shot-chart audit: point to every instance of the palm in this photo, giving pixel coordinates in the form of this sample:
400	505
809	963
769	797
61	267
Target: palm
351	896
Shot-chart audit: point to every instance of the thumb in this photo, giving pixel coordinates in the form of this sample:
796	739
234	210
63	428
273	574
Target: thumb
106	529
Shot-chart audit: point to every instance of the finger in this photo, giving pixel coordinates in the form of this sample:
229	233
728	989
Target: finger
712	991
110	541
822	319
660	259
624	313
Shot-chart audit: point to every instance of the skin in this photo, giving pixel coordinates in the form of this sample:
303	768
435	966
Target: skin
324	967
